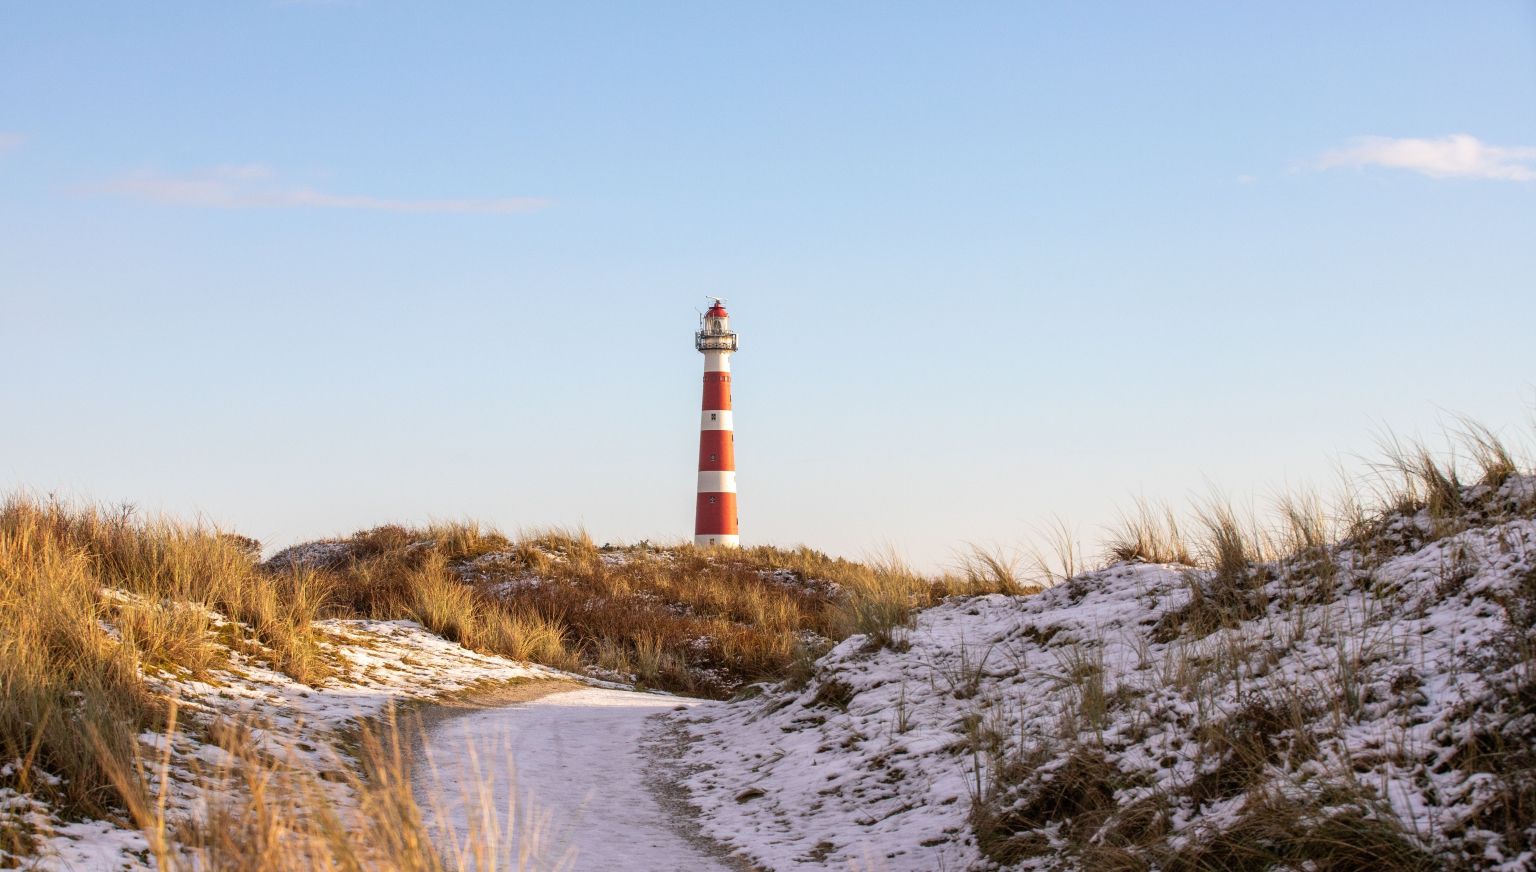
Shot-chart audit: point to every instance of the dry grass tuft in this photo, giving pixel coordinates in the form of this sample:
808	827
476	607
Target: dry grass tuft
1341	828
1495	462
1230	591
1148	535
991	570
1264	731
1075	799
1228	549
61	674
1413	479
1068	558
170	636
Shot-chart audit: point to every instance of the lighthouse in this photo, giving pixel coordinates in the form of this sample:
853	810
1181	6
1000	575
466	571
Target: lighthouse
714	522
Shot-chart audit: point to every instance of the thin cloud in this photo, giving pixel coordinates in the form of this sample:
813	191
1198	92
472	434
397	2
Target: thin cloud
10	141
257	187
1457	156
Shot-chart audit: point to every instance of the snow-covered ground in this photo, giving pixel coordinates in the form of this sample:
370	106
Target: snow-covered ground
1389	678
569	768
379	663
1377	677
568	775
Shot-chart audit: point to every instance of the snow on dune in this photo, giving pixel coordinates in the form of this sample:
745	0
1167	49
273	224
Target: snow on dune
1398	666
1394	665
379	663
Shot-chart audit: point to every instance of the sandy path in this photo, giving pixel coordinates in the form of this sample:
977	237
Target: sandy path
570	768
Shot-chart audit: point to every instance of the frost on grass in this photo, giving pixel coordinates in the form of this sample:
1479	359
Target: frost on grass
1372	705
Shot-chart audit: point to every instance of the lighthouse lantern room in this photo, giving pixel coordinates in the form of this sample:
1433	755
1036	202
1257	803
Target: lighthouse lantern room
715	521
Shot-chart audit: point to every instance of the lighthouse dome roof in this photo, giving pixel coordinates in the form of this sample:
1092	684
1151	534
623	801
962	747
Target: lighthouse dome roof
716	311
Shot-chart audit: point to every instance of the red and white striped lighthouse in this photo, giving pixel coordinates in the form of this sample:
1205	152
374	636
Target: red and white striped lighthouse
715	521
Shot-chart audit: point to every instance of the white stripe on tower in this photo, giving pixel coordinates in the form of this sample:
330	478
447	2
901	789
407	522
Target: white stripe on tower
717	482
715	521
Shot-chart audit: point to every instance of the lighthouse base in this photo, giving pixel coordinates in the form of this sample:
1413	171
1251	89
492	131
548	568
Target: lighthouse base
717	540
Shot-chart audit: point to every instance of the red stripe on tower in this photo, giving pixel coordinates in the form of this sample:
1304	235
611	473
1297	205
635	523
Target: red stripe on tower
714	520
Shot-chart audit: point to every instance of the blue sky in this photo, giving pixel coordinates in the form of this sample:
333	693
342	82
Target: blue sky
303	268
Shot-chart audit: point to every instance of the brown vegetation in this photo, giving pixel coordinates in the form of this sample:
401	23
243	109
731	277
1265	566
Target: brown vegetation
696	621
92	600
88	601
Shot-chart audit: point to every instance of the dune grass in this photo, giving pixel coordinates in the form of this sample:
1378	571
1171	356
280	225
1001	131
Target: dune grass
1413	497
62	675
91	599
679	618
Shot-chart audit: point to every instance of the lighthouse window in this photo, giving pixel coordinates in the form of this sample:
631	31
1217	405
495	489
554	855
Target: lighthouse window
713	458
711	500
713	416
